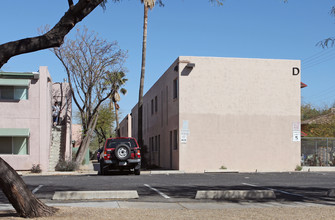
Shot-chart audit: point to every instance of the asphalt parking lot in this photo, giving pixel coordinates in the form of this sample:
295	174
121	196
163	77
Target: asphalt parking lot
308	187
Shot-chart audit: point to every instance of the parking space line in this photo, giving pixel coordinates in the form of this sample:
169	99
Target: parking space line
281	191
36	189
157	191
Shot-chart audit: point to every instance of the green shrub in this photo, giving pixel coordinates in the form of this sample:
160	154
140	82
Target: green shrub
298	168
36	168
223	167
64	165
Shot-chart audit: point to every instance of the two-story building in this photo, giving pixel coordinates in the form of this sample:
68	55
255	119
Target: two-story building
209	113
26	133
25	128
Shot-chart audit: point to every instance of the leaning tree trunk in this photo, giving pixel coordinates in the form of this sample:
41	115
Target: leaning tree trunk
86	141
18	194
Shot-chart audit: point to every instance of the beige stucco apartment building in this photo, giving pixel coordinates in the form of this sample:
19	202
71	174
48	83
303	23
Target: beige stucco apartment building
208	113
26	133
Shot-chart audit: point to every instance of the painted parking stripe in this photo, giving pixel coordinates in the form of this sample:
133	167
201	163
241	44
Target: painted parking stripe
36	189
281	191
157	191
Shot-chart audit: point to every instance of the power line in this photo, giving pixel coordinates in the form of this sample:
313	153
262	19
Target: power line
319	54
324	92
318	58
317	62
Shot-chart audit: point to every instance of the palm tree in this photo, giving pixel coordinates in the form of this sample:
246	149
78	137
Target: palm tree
148	4
117	80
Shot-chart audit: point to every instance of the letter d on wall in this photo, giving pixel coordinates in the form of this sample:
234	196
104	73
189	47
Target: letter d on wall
295	71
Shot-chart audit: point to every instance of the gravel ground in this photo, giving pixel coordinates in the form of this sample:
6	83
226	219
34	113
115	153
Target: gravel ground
67	213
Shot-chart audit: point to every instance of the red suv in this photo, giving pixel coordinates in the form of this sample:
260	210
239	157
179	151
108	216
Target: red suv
121	153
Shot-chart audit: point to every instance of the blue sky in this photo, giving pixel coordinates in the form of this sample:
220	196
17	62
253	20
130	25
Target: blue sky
240	28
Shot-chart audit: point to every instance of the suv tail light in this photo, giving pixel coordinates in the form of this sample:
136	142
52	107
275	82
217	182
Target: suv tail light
136	154
106	156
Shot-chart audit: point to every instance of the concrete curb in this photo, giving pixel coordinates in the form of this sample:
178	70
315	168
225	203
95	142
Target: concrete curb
87	195
236	194
59	173
317	169
221	171
167	172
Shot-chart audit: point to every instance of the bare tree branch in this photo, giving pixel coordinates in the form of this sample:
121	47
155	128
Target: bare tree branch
70	3
54	37
87	59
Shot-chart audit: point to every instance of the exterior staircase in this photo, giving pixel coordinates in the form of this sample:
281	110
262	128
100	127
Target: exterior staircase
57	147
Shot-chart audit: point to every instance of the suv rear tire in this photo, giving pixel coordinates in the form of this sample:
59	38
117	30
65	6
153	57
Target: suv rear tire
102	170
137	171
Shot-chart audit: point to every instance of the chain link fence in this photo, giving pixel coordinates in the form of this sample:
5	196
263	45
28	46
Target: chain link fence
317	151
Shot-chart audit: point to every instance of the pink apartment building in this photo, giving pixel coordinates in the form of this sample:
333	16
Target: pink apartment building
205	113
26	120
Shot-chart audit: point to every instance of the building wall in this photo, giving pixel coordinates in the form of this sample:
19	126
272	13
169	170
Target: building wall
158	124
231	112
35	114
125	126
239	114
76	135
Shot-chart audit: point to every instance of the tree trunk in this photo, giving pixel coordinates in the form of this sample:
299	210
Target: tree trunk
140	98
18	194
117	120
86	141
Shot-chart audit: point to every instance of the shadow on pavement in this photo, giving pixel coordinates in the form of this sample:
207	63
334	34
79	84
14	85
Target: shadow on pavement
283	194
8	214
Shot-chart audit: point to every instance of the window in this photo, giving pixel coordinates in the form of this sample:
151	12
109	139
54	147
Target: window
156	104
156	143
132	123
152	106
175	140
171	140
113	143
14	145
14	141
159	143
13	92
151	144
175	89
162	116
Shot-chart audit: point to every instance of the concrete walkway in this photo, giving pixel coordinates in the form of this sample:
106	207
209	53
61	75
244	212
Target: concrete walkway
172	205
93	172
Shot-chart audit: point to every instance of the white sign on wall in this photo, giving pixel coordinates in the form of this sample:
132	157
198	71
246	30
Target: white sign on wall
296	127
296	136
183	139
184	132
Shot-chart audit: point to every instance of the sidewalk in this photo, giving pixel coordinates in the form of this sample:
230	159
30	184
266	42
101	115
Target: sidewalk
93	167
94	172
154	211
